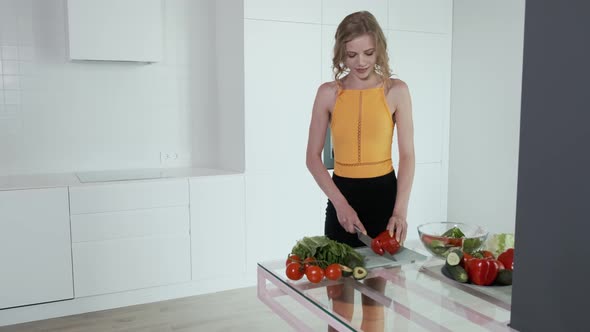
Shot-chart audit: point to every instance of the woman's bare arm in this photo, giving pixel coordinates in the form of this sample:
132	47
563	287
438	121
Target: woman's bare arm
318	127
400	95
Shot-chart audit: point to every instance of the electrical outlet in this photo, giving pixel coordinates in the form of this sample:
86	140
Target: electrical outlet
168	158
175	159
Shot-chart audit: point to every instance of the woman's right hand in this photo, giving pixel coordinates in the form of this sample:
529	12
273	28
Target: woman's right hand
348	219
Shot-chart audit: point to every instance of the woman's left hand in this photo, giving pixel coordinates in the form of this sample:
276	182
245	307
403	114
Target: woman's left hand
397	225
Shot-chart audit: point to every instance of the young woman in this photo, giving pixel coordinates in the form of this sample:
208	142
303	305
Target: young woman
362	106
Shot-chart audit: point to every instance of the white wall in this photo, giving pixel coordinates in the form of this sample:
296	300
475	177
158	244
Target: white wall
485	112
61	116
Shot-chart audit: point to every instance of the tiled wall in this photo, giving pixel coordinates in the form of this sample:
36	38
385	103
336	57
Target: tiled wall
10	88
63	116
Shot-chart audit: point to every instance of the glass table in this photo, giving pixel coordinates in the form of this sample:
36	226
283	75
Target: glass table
412	297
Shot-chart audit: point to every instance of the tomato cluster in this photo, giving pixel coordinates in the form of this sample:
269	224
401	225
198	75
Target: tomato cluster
296	269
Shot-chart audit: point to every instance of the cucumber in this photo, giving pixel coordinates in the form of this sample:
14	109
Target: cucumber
504	277
454	257
438	247
458	273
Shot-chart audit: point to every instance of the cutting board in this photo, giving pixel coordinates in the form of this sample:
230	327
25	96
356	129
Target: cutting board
403	256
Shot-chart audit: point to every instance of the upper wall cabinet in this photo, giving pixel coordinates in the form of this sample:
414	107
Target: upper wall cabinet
302	11
334	11
115	30
421	15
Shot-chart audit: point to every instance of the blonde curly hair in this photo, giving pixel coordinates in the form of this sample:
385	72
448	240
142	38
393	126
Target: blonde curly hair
351	27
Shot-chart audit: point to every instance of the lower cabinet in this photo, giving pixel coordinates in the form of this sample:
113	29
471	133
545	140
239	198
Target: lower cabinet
217	226
126	250
128	236
35	247
103	267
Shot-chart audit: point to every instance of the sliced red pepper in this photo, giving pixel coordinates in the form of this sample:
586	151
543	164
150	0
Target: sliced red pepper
507	258
482	271
385	242
447	241
454	242
377	247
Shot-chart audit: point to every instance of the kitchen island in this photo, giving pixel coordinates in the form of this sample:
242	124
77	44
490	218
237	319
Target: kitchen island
417	297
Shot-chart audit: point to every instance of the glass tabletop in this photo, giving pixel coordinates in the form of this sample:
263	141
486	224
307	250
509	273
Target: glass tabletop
412	297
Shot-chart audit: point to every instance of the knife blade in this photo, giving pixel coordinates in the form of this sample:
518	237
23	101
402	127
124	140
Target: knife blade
364	238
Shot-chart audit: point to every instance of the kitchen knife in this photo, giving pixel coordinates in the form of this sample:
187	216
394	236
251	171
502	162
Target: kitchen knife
367	241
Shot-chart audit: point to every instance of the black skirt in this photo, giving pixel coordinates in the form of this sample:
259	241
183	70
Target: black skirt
373	200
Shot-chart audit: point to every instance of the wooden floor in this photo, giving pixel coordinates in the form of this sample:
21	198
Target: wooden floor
235	310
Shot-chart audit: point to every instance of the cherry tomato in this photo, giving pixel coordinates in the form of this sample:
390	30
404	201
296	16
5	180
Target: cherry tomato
309	261
294	271
333	272
292	259
314	274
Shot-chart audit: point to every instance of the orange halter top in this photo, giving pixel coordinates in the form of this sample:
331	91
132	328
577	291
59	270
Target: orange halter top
362	133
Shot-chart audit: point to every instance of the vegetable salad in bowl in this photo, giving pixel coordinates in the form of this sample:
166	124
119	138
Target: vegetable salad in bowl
440	238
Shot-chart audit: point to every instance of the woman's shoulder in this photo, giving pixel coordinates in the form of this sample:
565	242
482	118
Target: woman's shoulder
328	87
328	90
396	86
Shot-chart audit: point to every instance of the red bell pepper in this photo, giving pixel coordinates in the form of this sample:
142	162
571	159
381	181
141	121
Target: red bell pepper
507	258
482	271
384	242
466	258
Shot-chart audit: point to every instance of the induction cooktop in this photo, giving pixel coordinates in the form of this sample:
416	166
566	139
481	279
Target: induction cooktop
120	175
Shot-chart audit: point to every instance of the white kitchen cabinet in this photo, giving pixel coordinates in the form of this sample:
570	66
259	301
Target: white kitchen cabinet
429	197
333	11
281	209
116	30
303	11
280	86
130	235
109	196
102	267
421	15
35	248
283	203
218	226
423	61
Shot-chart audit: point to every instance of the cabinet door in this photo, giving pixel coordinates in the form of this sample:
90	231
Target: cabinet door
305	11
281	209
428	199
423	61
281	82
102	267
217	226
333	11
35	249
129	235
421	15
118	30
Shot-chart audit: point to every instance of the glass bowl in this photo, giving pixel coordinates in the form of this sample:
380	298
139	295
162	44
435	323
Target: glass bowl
470	239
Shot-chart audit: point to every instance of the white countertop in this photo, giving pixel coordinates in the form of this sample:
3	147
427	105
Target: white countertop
32	181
